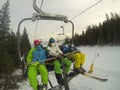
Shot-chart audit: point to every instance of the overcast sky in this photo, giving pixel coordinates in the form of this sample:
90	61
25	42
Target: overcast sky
20	9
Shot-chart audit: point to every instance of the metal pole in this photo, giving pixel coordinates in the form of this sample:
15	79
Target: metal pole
36	8
72	31
63	30
18	35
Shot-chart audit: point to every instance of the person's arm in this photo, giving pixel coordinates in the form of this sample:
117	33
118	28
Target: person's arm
64	49
30	56
52	52
73	47
58	50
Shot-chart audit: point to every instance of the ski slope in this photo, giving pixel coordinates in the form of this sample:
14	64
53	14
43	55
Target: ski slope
107	63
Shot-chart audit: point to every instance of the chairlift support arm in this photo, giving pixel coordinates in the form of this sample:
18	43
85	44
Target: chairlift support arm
36	8
18	35
46	16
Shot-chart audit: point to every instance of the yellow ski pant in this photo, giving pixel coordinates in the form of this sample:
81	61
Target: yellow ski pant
79	59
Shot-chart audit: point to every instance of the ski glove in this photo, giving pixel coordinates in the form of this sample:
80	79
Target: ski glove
60	56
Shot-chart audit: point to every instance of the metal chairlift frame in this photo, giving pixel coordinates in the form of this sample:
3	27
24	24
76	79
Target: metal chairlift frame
40	15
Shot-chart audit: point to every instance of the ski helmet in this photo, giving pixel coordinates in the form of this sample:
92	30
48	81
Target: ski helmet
37	42
67	39
51	40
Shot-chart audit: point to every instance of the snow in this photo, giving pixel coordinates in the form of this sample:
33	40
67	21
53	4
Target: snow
106	62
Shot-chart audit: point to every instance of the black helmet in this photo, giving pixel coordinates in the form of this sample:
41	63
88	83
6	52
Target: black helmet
67	40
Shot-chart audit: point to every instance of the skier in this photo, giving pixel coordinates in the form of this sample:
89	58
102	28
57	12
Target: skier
74	54
60	62
36	57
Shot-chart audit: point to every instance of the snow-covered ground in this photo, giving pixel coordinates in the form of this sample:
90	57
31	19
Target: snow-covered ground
107	62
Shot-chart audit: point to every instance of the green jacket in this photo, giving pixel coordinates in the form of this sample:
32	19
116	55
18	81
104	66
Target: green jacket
30	56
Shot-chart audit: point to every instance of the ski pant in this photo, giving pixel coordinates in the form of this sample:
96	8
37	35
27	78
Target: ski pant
33	72
79	59
66	65
57	68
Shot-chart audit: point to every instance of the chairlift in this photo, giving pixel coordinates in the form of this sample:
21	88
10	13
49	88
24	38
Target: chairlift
61	37
40	15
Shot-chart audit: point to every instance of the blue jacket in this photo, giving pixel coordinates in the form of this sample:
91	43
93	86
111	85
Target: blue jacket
68	48
39	54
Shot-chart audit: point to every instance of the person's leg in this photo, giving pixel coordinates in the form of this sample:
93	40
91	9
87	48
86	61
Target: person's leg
77	59
82	62
32	74
58	72
67	63
82	58
44	74
57	66
59	78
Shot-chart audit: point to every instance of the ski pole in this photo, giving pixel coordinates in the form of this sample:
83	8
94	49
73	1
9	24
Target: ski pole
92	65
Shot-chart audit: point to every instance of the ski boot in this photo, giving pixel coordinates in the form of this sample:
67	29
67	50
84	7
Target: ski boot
83	70
79	70
42	87
59	78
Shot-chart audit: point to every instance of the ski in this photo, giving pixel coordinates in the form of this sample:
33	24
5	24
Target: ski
96	77
90	75
86	74
100	75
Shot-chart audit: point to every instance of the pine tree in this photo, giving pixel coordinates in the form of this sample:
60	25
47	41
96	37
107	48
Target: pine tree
8	49
4	30
12	49
4	17
107	32
25	44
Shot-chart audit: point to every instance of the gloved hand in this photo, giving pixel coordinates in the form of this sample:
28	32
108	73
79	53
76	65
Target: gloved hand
60	55
71	46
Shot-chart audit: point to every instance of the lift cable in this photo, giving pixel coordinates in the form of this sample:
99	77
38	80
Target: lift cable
87	9
80	13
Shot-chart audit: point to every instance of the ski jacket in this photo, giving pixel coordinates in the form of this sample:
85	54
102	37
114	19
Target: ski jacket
36	54
39	54
54	50
68	48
